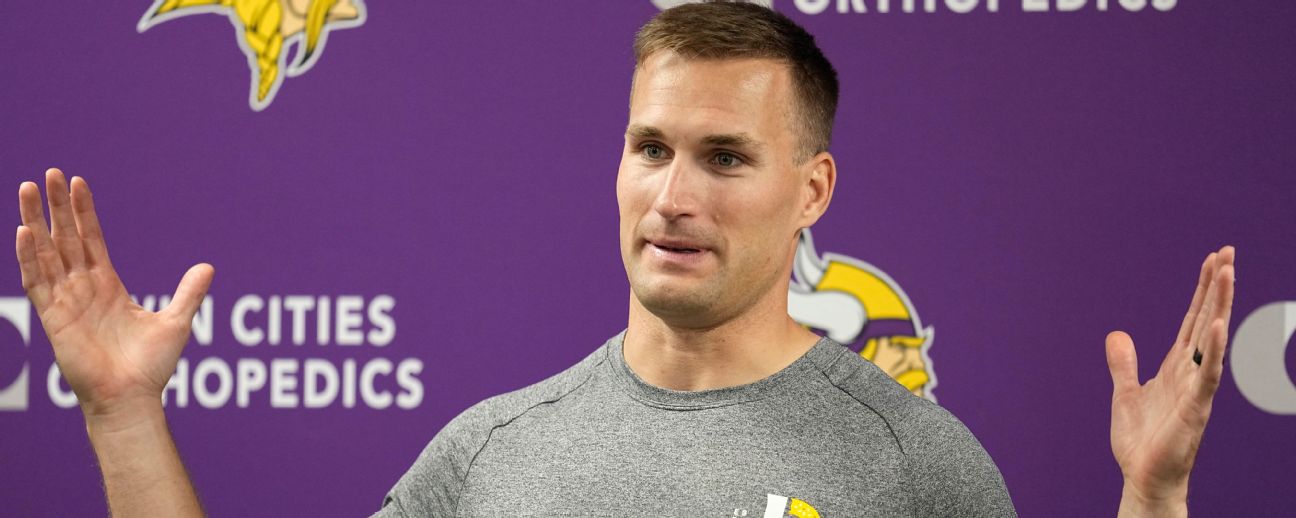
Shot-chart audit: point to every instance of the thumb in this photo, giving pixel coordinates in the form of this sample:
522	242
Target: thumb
189	294
1122	361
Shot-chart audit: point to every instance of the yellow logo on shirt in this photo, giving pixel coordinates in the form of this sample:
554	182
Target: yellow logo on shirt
777	506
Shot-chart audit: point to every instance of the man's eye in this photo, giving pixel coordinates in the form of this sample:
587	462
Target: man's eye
726	160
653	152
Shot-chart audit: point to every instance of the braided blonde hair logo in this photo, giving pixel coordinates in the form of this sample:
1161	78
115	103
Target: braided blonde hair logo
863	308
266	29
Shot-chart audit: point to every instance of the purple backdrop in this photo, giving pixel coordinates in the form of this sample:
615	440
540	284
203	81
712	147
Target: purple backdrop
1032	179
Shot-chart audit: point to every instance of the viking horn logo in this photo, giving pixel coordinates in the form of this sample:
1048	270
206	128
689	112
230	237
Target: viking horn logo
266	29
858	305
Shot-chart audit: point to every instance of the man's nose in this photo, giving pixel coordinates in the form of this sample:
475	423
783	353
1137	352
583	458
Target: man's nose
680	190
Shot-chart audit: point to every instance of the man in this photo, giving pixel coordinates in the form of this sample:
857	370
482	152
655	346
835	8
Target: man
713	402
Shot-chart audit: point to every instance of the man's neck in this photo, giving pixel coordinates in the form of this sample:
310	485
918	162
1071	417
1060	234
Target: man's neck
741	350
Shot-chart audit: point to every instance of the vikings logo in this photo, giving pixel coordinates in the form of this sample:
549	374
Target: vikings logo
266	28
858	305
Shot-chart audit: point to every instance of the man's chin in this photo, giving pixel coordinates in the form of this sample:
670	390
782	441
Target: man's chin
676	303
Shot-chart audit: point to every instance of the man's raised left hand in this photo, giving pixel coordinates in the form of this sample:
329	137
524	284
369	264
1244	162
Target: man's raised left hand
1157	426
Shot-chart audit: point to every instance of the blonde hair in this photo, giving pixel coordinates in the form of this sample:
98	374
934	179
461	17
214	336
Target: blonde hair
262	31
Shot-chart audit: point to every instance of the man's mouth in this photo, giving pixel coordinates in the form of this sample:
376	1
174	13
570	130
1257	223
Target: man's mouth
678	250
676	245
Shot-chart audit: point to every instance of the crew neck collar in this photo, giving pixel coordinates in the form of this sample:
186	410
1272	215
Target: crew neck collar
818	358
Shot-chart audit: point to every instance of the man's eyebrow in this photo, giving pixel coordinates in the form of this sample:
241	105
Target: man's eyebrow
641	131
737	140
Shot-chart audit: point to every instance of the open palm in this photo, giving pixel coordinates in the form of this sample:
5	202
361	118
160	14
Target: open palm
109	349
1157	426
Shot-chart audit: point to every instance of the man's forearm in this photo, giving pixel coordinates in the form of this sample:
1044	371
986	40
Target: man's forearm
142	471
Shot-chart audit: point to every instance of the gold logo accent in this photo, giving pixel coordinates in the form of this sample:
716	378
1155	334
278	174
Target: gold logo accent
266	28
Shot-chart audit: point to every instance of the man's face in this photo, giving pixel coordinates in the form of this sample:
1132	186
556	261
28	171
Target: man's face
709	189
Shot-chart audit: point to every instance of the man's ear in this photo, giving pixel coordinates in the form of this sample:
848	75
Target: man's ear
819	178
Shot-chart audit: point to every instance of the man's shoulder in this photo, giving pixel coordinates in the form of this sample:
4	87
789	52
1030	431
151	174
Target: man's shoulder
945	465
870	390
432	485
499	410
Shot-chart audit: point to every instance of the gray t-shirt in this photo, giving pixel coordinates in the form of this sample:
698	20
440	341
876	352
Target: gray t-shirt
829	436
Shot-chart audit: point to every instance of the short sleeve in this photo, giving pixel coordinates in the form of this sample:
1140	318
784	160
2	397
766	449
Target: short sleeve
432	485
948	470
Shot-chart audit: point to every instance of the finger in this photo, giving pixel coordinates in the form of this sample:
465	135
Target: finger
1228	255
1122	361
1203	318
1190	319
1216	340
33	281
63	228
1227	280
87	222
189	294
1212	367
33	217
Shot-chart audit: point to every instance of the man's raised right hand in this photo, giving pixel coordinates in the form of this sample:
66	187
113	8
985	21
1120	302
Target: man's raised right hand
116	355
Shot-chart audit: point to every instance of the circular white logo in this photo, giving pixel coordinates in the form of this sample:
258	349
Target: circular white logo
1259	358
